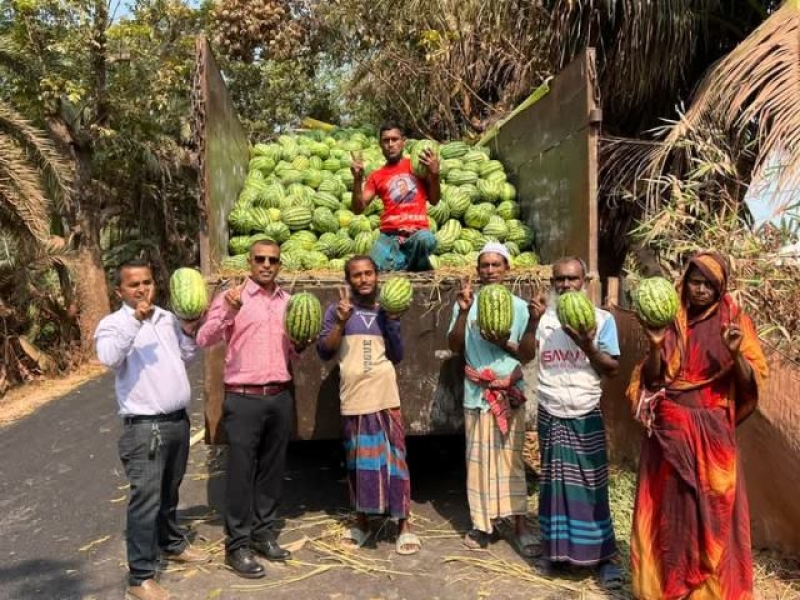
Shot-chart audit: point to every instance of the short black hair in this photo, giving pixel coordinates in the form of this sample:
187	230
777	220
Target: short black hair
389	125
134	263
264	242
569	259
355	259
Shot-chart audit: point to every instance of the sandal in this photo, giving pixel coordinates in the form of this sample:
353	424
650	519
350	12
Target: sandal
407	539
476	539
526	544
610	576
354	538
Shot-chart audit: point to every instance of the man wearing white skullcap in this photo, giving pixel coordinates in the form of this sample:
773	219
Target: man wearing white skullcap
494	413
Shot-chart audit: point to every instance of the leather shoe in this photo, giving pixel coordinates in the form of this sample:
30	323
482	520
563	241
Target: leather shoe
189	555
270	550
244	563
148	590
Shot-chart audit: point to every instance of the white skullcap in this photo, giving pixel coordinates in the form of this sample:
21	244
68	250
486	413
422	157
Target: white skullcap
496	248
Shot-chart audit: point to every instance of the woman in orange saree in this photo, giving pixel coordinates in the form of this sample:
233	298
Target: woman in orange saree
701	377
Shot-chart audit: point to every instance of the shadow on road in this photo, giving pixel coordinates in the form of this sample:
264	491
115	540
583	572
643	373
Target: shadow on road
53	579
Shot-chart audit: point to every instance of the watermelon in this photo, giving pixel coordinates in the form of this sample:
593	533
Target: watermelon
524	259
495	309
188	293
235	263
455	149
575	310
297	217
303	320
239	244
656	302
439	213
396	295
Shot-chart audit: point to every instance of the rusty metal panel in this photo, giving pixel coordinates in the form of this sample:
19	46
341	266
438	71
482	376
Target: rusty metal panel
550	152
224	153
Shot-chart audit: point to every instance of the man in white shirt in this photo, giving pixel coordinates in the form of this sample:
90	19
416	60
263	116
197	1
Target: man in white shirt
574	514
147	346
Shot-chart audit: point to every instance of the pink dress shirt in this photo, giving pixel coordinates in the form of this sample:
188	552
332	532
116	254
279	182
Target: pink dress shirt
258	350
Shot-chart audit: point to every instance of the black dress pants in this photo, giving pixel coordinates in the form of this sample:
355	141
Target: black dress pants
258	430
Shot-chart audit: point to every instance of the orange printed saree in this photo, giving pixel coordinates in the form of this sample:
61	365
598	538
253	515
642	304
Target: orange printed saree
691	525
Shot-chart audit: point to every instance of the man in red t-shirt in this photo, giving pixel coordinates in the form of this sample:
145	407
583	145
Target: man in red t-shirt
406	240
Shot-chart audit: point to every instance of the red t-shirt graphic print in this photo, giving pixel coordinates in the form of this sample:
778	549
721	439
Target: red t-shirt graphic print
404	196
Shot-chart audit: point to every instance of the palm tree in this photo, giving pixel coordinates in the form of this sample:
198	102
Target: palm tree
33	180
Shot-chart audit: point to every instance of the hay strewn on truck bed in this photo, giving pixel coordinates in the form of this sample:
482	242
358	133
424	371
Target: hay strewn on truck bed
537	277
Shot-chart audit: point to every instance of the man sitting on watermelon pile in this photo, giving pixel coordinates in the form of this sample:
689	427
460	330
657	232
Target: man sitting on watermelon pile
405	242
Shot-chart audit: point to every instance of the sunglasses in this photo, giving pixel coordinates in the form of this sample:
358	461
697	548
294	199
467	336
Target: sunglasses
260	260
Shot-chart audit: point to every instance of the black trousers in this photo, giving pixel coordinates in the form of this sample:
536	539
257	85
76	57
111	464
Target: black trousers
258	430
154	456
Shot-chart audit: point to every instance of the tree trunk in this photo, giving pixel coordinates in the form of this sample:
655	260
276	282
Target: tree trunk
91	293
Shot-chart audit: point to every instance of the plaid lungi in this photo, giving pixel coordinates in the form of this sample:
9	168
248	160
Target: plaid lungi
378	479
574	513
495	469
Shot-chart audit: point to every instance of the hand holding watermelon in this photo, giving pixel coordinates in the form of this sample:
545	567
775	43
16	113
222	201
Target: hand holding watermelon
583	339
430	161
655	335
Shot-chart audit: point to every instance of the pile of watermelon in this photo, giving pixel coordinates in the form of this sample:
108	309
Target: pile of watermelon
298	192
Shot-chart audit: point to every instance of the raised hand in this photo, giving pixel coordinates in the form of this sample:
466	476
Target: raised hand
344	308
430	160
537	306
234	296
732	335
356	165
465	295
144	309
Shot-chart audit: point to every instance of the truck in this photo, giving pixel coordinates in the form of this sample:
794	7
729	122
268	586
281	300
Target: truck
551	159
550	151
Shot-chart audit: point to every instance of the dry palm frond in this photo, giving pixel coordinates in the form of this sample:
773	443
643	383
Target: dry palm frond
632	37
753	89
21	194
56	174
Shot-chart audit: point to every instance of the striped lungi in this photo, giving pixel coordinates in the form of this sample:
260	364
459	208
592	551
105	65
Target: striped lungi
495	468
375	447
574	515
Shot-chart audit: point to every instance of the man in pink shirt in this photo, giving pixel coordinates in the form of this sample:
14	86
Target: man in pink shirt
258	412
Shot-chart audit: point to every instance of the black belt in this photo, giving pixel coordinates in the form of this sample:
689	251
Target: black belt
173	416
266	389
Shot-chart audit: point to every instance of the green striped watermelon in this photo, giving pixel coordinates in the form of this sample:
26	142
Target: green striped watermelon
303	320
495	309
656	302
396	295
575	310
188	294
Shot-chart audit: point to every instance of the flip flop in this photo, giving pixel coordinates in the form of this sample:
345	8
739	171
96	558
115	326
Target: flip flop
475	539
407	539
354	538
526	544
610	576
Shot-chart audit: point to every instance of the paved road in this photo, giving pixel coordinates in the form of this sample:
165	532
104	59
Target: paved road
62	501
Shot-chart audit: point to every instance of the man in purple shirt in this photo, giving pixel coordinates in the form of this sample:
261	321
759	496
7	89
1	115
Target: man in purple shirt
147	346
258	412
366	342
